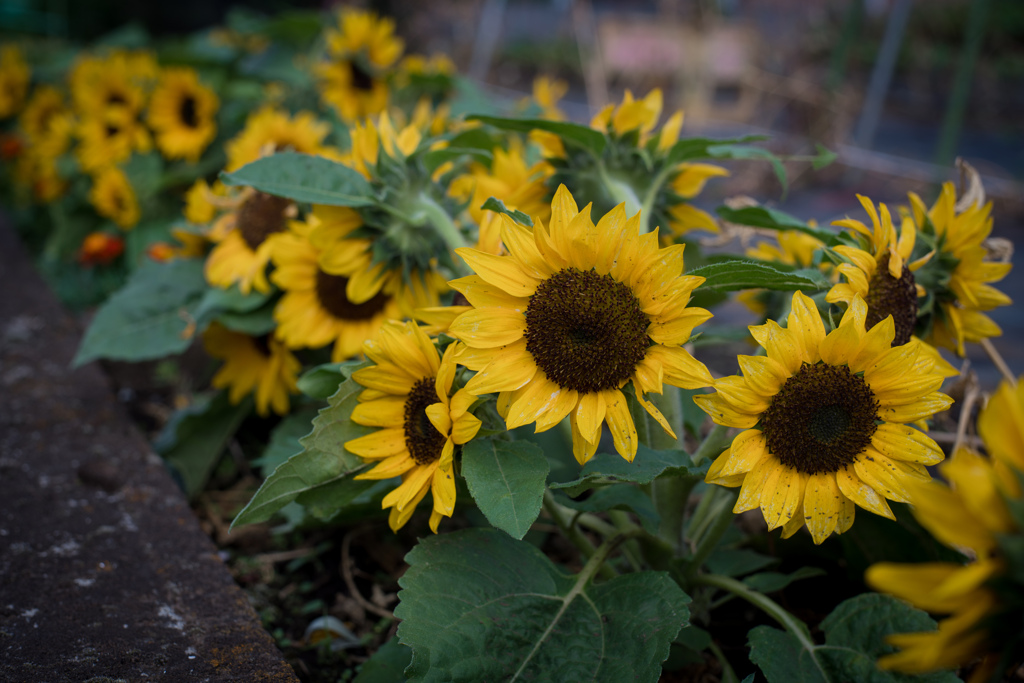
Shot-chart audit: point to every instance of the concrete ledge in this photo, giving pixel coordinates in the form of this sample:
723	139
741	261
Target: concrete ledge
104	571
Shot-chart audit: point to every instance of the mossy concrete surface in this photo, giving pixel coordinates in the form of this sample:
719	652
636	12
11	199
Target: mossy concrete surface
105	574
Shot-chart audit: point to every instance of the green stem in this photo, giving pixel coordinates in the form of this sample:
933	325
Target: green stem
728	674
630	549
762	602
713	445
721	517
647	207
564	520
670	496
433	212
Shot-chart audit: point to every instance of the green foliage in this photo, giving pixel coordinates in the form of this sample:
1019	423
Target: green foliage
854	638
305	178
773	219
732	276
321	381
194	439
496	205
386	665
151	317
620	497
606	468
478	605
572	134
689	149
506	479
323	465
284	440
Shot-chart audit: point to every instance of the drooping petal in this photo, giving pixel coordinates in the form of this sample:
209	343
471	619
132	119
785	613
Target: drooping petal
620	424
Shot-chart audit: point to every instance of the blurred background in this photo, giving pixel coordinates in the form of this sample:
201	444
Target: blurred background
898	89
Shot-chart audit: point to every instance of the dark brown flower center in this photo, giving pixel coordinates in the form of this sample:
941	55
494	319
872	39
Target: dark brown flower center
262	344
361	78
821	419
188	112
330	290
586	331
422	439
260	216
891	296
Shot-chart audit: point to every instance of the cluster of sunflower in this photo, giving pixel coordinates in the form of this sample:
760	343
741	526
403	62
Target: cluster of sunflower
475	297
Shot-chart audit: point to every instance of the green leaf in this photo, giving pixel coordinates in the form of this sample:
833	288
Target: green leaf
618	497
824	157
605	468
698	148
735	275
855	635
506	479
747	152
150	317
284	440
217	300
386	665
323	380
737	561
323	460
144	171
770	582
763	217
477	605
571	133
498	206
253	323
435	157
305	178
193	440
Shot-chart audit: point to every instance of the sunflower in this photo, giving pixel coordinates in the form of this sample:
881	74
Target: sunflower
181	114
361	49
687	183
41	111
260	365
120	79
408	397
315	310
510	179
571	315
958	233
14	78
983	597
113	197
342	254
825	420
110	138
269	130
242	250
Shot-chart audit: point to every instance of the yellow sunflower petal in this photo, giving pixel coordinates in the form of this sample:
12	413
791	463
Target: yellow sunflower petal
620	423
780	502
499	271
489	327
590	414
385	412
822	505
582	449
903	442
861	493
382	443
754	484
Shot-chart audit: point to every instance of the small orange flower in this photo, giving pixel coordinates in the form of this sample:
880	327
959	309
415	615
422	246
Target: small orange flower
100	249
